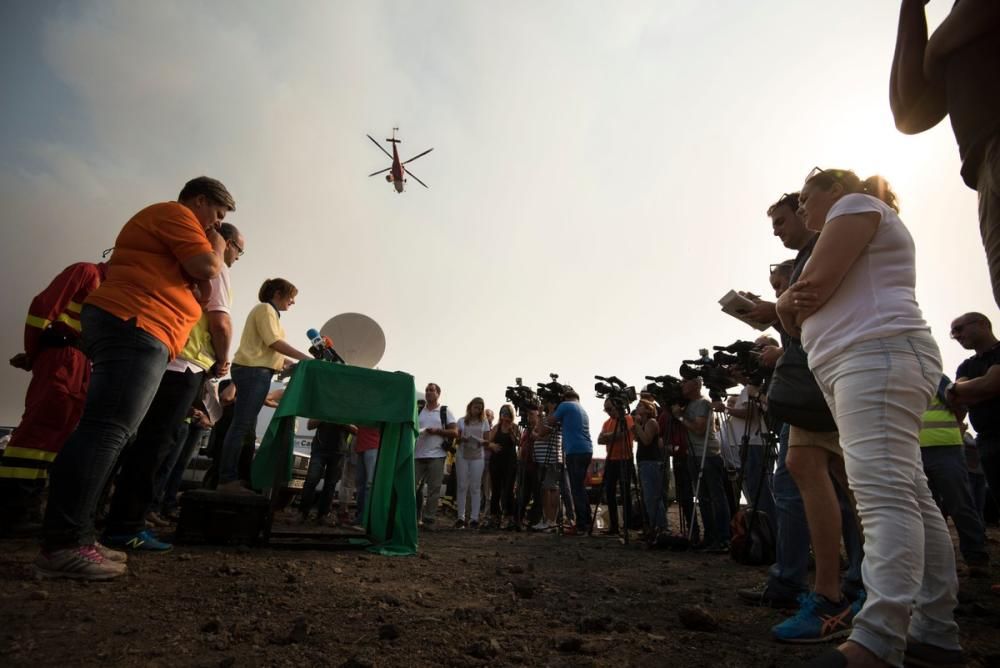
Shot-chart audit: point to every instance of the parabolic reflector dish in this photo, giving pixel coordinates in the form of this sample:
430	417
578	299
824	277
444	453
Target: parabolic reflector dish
357	338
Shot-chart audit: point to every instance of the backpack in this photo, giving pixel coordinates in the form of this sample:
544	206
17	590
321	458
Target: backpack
448	444
752	538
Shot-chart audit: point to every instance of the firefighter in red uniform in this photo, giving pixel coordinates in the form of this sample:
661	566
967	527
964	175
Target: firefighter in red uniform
54	401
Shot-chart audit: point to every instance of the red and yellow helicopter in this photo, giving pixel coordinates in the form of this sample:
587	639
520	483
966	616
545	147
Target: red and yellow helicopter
397	173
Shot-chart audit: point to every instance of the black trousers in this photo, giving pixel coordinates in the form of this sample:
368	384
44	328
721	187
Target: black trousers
153	442
616	471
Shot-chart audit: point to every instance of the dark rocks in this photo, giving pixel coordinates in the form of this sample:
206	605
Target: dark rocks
483	649
523	587
299	632
211	626
594	625
570	644
697	618
388	632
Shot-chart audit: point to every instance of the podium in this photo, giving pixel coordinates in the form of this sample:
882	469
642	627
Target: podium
351	395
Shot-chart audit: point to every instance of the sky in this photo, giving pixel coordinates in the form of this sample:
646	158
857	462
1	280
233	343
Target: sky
600	174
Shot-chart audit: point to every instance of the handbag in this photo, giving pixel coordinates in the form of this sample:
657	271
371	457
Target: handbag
794	397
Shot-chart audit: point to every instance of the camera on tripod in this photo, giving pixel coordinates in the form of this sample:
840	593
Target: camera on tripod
553	391
714	377
666	390
523	398
745	357
614	388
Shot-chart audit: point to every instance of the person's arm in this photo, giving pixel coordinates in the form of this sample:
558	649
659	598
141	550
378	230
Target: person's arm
697	425
220	327
450	431
839	246
605	437
971	392
542	429
205	266
283	347
967	21
647	433
762	311
917	103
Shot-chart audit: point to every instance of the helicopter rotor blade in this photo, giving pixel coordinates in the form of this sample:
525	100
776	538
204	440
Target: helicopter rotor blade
418	179
419	155
380	171
380	147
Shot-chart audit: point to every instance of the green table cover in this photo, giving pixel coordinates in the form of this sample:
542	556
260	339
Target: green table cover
353	395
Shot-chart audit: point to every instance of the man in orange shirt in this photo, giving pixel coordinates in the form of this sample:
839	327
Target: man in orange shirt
133	324
618	463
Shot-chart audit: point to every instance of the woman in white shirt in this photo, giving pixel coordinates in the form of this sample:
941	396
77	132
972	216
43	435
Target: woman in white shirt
472	432
874	358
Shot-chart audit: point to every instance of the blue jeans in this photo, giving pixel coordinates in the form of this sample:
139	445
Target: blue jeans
758	479
651	478
576	468
252	385
325	465
364	475
712	499
948	477
127	364
172	473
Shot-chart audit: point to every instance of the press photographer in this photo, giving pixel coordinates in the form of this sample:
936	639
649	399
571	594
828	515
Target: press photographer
577	446
616	435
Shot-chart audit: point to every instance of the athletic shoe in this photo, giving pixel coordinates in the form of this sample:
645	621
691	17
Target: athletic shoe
459	524
541	526
142	541
83	562
115	556
155	519
474	525
922	655
818	620
768	597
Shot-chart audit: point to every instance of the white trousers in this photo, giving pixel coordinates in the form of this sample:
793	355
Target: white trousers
878	391
470	473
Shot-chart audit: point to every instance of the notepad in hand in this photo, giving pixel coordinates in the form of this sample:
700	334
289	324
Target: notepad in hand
738	306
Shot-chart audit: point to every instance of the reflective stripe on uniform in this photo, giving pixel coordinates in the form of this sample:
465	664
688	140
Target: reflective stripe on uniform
23	473
939	426
69	320
74	307
29	453
35	321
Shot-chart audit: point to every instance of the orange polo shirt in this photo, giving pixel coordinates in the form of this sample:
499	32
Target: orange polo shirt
145	279
622	446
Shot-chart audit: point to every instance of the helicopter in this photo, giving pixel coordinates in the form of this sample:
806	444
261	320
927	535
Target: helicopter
397	173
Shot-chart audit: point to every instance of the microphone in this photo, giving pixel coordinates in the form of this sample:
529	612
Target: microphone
321	347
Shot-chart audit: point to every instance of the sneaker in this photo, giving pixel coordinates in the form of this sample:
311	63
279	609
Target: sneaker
83	562
768	597
116	556
818	620
541	526
459	524
155	519
922	655
142	541
474	525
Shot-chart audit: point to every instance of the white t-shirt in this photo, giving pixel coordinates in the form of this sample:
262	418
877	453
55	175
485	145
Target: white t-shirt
471	438
429	446
876	299
220	301
739	425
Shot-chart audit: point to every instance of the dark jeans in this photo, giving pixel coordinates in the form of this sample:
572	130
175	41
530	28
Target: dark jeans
325	465
948	477
171	474
127	364
503	471
758	479
789	574
712	499
252	385
616	471
684	489
576	468
989	458
152	445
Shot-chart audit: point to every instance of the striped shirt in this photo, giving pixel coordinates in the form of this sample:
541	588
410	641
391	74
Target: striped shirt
548	448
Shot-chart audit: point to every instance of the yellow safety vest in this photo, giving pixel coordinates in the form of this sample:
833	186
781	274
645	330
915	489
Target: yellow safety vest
940	426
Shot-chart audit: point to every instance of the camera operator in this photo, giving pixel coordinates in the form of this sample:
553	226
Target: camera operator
578	450
548	459
617	463
705	448
650	457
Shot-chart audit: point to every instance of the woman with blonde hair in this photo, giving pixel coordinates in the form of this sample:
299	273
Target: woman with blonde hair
472	431
263	352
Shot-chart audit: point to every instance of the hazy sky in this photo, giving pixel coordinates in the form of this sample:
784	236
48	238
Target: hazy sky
600	172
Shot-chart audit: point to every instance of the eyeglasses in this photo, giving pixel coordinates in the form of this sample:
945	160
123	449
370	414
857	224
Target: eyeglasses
239	249
791	199
835	174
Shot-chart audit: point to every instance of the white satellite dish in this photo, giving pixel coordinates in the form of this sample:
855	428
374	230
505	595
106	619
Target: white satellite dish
357	338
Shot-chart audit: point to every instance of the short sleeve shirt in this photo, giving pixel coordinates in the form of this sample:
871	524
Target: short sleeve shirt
428	446
263	327
145	278
621	447
984	416
575	428
696	409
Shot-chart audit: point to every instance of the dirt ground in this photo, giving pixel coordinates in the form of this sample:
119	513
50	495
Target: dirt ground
468	599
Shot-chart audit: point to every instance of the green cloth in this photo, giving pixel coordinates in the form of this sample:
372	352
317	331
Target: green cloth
353	395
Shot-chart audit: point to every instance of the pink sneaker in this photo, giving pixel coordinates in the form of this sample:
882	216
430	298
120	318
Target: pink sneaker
83	562
115	556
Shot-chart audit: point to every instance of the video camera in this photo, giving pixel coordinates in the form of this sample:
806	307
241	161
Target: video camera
666	389
553	391
715	377
523	398
614	388
744	356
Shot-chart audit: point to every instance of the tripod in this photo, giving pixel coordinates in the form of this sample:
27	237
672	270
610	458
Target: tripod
620	431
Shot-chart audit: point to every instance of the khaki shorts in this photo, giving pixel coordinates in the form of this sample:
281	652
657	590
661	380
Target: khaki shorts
827	440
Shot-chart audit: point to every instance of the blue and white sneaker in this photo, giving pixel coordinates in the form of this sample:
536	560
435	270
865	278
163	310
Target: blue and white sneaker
818	620
141	541
858	602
